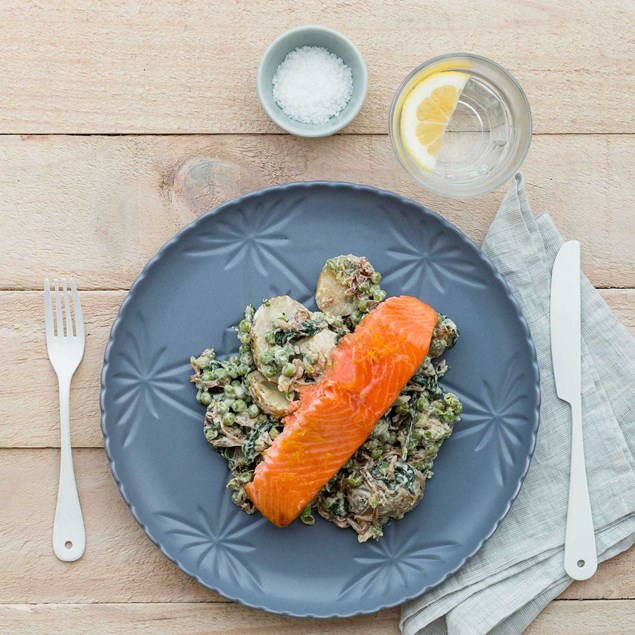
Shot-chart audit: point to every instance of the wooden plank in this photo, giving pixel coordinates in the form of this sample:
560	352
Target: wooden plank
186	619
582	618
102	206
120	563
111	67
29	421
22	341
600	617
615	579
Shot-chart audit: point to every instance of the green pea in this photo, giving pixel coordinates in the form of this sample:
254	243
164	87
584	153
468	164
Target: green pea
229	418
288	370
308	369
242	369
273	433
376	277
221	407
220	374
253	411
244	326
380	296
229	390
239	392
376	453
232	372
421	404
270	338
203	362
453	402
402	409
388	437
261	418
355	480
282	357
246	359
266	357
206	398
239	405
244	338
418	434
210	433
269	371
363	305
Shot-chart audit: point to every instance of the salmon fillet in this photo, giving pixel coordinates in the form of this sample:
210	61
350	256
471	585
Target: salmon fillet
335	416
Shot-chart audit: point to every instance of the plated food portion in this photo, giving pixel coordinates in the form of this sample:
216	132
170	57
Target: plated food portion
337	411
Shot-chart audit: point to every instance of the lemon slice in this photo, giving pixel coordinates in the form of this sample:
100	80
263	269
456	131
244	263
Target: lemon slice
426	112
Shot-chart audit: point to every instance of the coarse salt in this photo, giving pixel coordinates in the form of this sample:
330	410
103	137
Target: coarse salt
311	85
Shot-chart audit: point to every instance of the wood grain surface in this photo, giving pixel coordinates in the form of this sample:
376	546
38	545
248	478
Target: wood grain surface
560	618
131	67
102	206
123	120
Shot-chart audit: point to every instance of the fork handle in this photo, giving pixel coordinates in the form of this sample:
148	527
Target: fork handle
69	536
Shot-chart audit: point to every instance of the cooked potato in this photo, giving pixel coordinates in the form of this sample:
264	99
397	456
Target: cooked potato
332	297
321	344
266	320
266	395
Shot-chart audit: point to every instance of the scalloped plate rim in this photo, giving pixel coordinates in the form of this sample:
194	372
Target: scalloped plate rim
281	188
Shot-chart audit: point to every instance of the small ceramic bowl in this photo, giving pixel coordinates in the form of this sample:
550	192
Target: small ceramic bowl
312	36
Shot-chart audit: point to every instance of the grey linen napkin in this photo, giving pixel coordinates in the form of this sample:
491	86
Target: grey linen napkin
520	569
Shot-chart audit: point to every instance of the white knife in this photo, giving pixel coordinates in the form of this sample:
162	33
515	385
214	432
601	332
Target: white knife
580	555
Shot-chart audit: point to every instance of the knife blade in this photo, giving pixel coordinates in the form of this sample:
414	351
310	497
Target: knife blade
580	554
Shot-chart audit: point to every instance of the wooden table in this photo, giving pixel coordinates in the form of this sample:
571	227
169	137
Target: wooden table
123	121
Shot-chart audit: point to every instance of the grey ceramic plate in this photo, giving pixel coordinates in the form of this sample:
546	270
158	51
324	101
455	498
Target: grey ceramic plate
274	242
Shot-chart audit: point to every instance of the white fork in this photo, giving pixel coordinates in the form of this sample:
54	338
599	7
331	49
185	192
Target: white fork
66	349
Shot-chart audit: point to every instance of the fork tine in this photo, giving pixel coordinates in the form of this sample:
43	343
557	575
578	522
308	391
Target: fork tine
58	312
48	309
79	316
67	310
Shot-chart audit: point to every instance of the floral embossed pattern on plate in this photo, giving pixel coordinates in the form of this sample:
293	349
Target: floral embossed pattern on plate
272	242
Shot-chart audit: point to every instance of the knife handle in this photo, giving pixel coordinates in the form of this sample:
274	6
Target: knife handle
580	555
